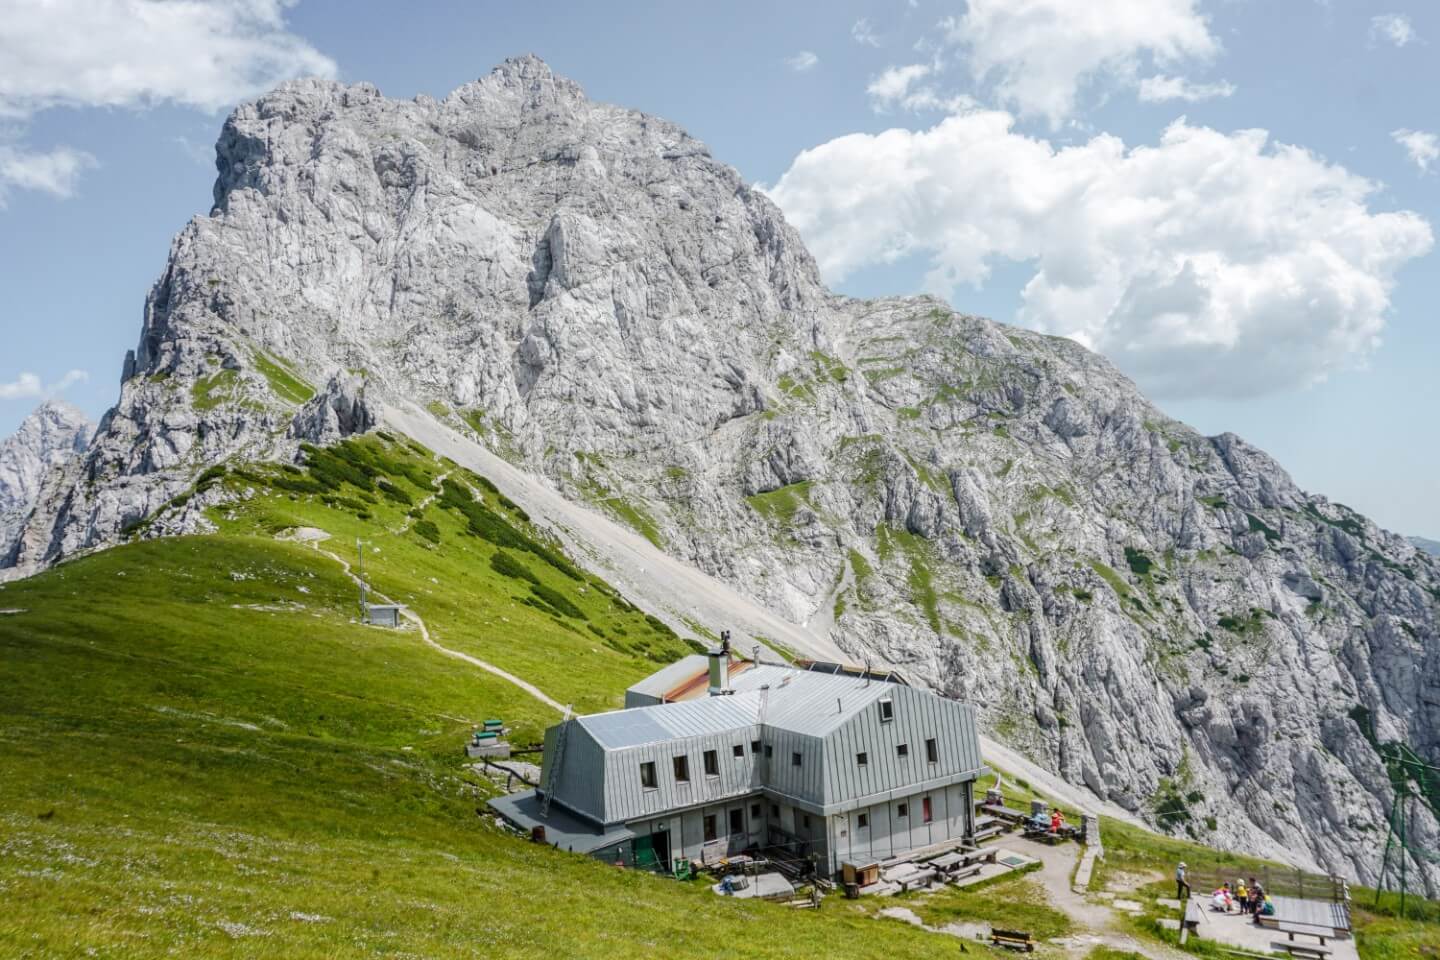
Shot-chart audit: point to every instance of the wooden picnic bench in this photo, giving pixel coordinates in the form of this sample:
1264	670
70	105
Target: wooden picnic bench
1004	812
1013	939
1300	949
1305	930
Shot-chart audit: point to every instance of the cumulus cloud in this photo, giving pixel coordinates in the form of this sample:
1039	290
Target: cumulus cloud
135	53
1208	264
54	172
802	61
1393	27
28	386
863	33
905	88
1040	54
1423	148
1160	88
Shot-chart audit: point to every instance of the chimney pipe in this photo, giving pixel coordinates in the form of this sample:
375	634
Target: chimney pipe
720	667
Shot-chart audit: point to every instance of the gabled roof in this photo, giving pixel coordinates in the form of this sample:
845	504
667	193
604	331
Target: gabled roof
655	724
800	701
809	703
667	678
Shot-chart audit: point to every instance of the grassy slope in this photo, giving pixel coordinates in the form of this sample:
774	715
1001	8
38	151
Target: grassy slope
203	759
204	755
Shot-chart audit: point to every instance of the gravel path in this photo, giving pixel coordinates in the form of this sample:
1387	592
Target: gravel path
415	618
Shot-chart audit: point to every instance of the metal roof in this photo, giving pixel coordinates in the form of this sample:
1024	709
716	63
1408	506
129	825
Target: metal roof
809	703
668	678
562	827
655	724
798	700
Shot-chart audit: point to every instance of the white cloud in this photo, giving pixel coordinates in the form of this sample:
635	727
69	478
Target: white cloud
863	34
135	53
802	61
28	386
1394	27
55	172
1423	148
1039	54
1208	264
903	87
1160	88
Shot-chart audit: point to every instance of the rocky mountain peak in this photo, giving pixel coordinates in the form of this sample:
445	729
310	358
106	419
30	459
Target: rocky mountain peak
1161	616
49	437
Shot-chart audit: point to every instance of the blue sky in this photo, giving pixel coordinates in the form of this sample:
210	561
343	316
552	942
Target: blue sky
1075	166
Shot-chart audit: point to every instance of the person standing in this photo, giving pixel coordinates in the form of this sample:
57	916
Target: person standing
1182	883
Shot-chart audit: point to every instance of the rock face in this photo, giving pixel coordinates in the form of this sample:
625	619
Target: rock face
1160	615
50	437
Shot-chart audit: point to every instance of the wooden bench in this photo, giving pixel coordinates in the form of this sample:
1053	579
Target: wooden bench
1300	949
1192	916
1013	940
1290	929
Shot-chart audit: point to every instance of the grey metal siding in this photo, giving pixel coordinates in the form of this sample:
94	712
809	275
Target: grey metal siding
918	716
581	782
625	799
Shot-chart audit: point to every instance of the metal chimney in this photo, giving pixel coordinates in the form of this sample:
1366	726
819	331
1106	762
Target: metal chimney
720	667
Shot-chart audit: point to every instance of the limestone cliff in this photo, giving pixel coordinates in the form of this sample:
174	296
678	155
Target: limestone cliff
50	437
1160	615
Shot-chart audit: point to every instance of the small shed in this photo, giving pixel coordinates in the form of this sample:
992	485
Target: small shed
383	614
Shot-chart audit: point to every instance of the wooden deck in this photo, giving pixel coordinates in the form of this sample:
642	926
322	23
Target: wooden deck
1320	914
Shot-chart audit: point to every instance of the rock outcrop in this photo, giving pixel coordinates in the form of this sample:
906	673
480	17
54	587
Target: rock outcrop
49	438
1162	616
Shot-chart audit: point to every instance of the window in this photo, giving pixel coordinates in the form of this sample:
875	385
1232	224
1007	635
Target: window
709	827
647	775
738	750
775	811
769	750
902	810
864	821
932	751
887	710
902	750
754	811
712	764
862	758
806	821
737	820
925	809
794	759
682	769
754	746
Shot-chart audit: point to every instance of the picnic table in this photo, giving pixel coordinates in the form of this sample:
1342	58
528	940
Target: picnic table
1004	812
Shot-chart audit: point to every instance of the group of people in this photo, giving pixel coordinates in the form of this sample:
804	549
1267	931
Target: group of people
1249	898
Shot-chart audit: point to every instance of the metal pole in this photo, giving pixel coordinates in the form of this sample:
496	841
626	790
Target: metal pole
1402	860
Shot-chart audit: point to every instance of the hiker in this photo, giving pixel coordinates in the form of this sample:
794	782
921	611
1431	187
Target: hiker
1242	895
1057	820
1252	889
1263	908
1182	884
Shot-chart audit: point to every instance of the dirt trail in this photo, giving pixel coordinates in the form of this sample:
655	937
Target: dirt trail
1098	922
416	619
